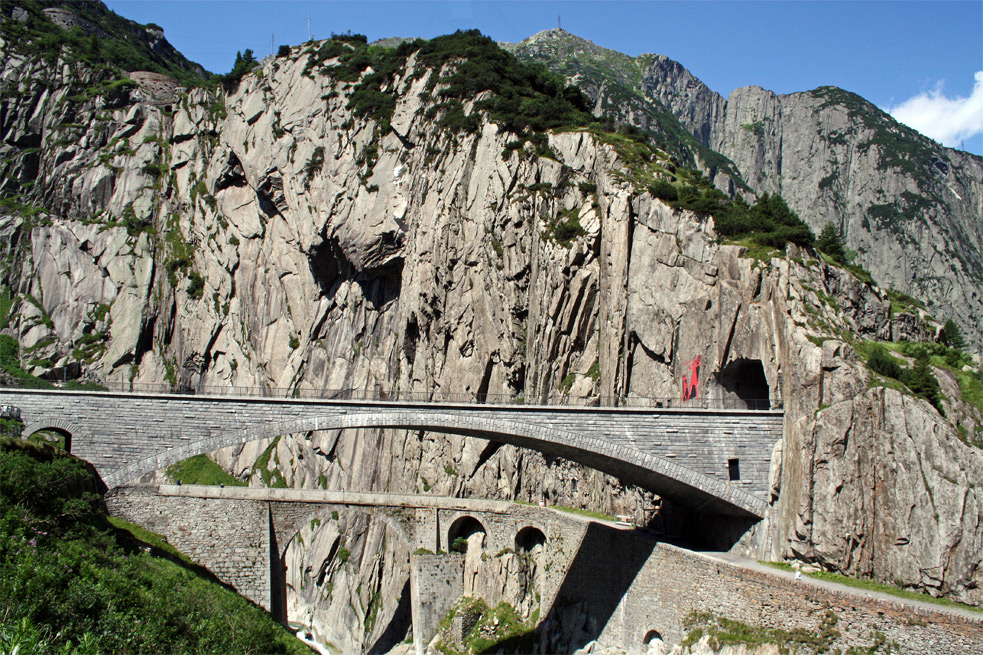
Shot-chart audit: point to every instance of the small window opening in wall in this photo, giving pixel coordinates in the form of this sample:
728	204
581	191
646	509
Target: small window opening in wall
734	468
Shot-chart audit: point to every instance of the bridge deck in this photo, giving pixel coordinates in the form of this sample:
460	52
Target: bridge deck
713	459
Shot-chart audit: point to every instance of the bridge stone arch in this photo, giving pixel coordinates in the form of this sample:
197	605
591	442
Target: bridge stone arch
629	464
464	526
289	521
64	427
528	536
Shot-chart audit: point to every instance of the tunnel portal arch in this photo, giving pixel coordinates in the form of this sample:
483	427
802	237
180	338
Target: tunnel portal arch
746	379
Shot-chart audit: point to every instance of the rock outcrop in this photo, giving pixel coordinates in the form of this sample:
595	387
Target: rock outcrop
908	206
270	238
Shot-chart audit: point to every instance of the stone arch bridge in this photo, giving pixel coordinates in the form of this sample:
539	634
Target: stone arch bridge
242	535
716	461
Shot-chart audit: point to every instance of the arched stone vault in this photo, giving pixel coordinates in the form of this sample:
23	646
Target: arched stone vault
688	454
655	473
63	426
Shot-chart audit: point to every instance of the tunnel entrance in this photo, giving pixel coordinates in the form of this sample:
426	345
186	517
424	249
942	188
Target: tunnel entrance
745	382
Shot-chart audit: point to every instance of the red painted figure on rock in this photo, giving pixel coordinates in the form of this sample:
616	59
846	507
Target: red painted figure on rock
691	384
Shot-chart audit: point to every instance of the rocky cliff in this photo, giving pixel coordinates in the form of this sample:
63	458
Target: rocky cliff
908	206
274	236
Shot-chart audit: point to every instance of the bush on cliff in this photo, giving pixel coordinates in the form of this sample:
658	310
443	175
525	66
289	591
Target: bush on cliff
523	98
71	582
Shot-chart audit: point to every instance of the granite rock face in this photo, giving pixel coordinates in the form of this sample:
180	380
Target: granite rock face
270	238
911	208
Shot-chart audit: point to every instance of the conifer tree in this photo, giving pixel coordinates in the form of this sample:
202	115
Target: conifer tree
830	241
952	336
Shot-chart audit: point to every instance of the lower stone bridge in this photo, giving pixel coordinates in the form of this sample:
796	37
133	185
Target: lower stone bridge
716	461
242	535
622	587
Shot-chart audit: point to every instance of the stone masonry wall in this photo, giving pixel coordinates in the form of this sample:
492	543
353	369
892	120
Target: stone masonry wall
627	583
682	452
674	582
436	583
230	538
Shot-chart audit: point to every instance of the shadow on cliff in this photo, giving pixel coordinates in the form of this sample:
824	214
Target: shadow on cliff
399	625
606	564
683	526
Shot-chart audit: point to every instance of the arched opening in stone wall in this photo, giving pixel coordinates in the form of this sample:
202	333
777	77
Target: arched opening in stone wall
652	637
528	539
744	380
58	437
466	533
322	576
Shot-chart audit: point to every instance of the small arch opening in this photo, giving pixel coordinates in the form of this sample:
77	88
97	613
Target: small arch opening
745	379
57	437
466	533
528	539
652	637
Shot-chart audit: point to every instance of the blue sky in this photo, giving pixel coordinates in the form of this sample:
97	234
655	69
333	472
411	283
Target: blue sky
918	59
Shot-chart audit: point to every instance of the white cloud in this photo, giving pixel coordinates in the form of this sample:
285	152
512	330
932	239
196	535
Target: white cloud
947	120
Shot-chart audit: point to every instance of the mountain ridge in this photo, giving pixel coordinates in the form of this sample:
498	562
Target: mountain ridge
910	208
318	226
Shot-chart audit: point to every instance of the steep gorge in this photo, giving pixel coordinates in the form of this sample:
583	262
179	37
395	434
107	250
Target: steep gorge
271	238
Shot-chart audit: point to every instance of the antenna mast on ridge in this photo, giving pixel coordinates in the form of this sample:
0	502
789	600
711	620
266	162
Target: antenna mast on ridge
308	27
558	25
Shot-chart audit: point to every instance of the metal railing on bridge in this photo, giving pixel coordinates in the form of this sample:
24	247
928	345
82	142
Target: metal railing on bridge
400	395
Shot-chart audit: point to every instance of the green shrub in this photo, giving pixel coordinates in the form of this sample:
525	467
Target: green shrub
769	222
72	582
952	336
883	363
196	285
664	191
10	364
920	379
244	63
587	188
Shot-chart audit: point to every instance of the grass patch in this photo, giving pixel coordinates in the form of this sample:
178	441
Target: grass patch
585	512
870	585
271	478
727	632
200	469
133	531
499	629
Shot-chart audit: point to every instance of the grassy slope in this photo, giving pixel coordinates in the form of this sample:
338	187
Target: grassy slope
73	581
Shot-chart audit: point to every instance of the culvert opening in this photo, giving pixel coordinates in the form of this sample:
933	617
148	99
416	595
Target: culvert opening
745	382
